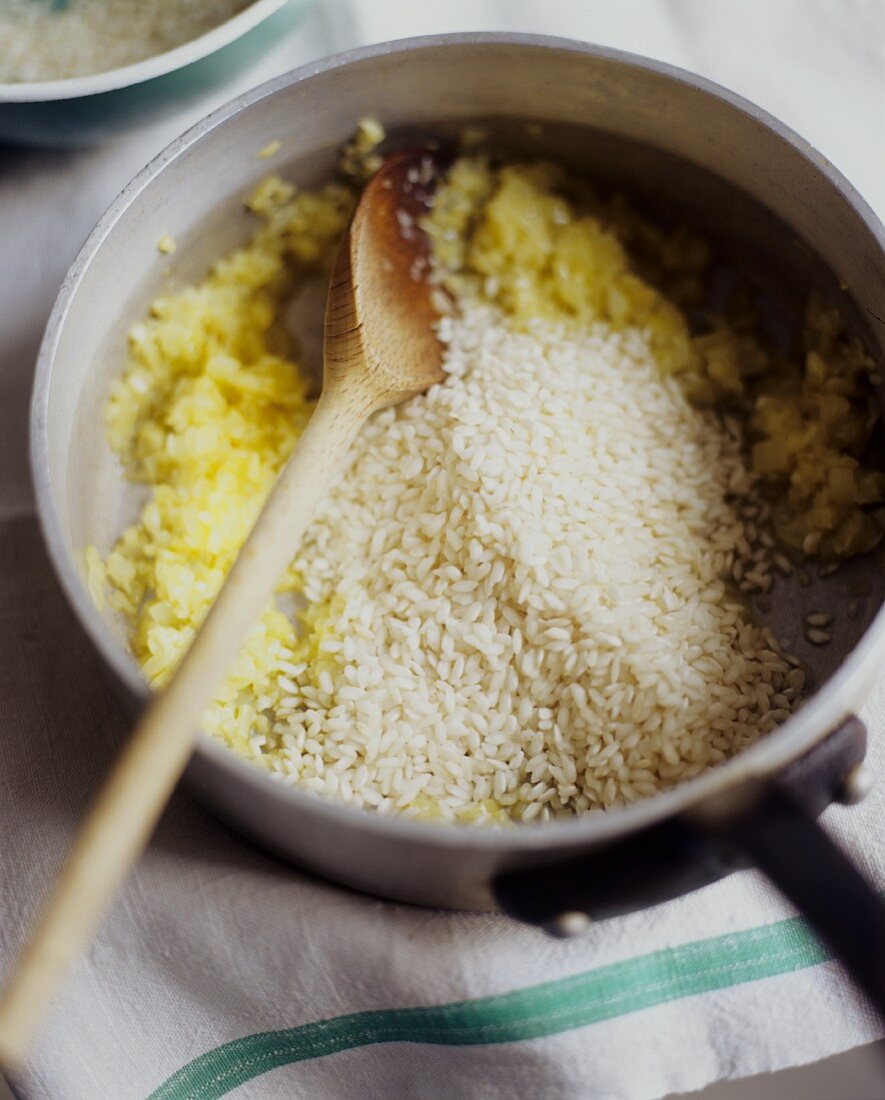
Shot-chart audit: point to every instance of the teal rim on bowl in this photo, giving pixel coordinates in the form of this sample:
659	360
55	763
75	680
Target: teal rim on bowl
83	110
41	91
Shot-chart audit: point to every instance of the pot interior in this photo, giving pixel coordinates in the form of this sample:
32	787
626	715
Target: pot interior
101	502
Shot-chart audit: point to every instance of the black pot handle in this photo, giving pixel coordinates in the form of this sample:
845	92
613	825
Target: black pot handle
775	831
767	822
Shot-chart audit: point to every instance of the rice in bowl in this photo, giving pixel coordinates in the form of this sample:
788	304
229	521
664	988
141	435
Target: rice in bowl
52	40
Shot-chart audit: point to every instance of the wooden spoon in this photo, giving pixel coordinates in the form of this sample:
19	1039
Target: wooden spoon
380	348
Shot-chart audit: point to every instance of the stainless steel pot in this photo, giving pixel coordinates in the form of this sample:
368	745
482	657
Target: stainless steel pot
770	202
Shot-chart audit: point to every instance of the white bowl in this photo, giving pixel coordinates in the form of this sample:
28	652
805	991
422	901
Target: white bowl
83	109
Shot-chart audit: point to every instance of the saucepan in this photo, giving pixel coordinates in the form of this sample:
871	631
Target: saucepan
770	203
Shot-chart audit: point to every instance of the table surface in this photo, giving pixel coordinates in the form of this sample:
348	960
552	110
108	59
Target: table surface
818	65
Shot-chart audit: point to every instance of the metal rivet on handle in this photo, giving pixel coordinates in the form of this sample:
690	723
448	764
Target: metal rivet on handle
569	924
856	785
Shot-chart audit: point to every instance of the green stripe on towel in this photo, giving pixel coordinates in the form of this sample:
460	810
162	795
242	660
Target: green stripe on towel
547	1009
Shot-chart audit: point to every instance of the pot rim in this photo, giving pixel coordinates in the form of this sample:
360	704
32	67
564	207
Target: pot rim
823	711
160	64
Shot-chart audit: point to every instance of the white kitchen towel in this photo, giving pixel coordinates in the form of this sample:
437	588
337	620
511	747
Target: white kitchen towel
220	970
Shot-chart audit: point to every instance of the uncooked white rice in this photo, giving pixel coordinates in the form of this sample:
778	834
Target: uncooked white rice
526	570
43	40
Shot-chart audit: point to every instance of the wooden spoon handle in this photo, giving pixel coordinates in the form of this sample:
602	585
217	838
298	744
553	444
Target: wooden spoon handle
123	817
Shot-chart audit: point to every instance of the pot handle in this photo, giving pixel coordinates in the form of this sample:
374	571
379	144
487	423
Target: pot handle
769	825
767	822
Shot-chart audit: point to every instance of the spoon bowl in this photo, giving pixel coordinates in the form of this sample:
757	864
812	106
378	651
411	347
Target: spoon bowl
381	311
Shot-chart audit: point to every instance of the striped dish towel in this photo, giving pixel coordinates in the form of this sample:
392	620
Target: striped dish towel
220	970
